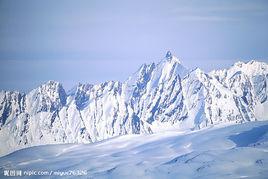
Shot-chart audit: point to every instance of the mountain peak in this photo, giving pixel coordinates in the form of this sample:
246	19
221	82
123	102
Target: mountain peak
169	55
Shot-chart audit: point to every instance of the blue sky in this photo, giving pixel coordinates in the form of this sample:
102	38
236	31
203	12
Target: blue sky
95	41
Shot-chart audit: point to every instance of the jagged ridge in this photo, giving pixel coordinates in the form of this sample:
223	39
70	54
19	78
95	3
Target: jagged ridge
156	97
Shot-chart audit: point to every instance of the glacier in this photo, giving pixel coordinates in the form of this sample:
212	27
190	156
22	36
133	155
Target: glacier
158	97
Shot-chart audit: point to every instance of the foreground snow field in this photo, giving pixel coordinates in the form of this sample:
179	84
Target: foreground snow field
234	151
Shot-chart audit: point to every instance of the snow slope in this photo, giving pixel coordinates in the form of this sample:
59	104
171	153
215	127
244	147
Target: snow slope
159	96
223	151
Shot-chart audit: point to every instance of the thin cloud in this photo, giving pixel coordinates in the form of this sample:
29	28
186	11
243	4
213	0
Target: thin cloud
207	18
246	7
221	12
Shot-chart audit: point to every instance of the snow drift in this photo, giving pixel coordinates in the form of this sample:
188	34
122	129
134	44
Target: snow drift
222	151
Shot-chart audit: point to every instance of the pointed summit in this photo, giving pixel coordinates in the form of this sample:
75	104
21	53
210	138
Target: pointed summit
169	55
171	58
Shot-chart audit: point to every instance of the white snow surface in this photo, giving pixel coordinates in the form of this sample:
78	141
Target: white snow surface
222	151
156	98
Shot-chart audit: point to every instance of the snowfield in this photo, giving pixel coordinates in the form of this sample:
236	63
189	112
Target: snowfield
222	151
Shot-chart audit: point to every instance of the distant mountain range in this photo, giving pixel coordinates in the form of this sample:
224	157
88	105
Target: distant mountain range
157	97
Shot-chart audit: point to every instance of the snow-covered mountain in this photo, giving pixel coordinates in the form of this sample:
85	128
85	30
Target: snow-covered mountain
157	97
